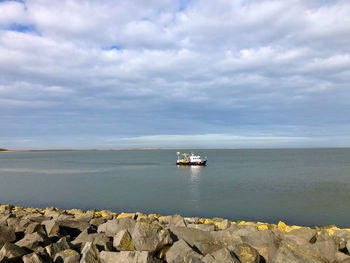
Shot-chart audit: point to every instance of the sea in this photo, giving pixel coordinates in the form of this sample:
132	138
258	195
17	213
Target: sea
309	187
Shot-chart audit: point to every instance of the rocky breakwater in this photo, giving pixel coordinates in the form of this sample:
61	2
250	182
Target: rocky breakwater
52	235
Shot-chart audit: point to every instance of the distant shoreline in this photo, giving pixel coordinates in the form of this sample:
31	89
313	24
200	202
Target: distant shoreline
80	150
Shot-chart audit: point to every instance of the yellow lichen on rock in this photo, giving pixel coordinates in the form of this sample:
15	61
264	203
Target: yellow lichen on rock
126	215
208	221
282	226
262	227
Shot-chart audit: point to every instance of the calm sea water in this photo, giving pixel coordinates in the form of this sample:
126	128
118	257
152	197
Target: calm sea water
299	186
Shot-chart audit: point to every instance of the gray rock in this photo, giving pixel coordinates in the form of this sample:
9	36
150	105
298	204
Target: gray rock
123	242
181	252
112	227
206	242
176	220
7	233
81	215
2	242
150	237
128	257
51	227
100	240
301	235
67	256
341	257
33	258
90	254
204	227
246	253
59	246
224	224
34	227
290	253
33	240
223	255
3	219
326	249
265	242
12	252
71	227
97	221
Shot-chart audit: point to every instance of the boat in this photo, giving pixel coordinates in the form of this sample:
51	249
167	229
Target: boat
190	159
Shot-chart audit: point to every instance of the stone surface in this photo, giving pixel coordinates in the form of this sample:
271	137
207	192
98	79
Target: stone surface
12	252
33	240
203	240
122	241
34	227
90	253
290	253
202	227
128	257
112	227
181	252
33	258
246	253
51	227
59	246
7	233
222	255
150	237
67	256
100	240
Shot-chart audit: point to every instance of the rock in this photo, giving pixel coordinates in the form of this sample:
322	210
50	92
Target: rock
202	227
90	254
81	215
224	224
59	246
34	240
17	224
246	253
3	218
34	227
176	220
33	258
12	252
221	255
127	215
52	212
51	227
181	252
290	253
128	257
112	227
123	242
71	227
301	235
265	242
7	233
100	240
341	257
326	249
206	242
67	256
97	221
150	237
2	242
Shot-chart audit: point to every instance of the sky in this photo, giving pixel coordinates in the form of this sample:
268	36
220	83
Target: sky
182	73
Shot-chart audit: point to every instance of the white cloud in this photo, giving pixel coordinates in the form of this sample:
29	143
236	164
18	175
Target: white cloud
223	64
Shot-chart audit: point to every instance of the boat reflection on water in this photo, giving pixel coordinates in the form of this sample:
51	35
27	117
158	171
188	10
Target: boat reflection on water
194	171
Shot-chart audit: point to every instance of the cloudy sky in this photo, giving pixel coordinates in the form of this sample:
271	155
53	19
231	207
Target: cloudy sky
181	73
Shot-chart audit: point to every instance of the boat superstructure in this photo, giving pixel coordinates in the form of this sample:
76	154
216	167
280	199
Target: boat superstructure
187	159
